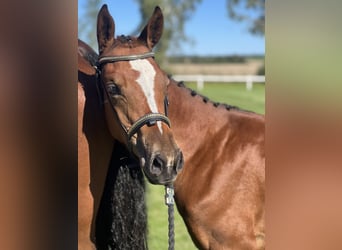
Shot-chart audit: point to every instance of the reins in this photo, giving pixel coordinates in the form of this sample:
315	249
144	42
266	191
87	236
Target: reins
169	201
149	120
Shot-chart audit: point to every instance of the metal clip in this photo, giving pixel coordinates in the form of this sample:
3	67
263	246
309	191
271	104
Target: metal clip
169	192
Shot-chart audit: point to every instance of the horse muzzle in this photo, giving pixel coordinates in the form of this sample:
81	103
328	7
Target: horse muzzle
162	169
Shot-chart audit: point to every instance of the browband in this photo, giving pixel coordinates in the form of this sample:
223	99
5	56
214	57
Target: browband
107	59
148	119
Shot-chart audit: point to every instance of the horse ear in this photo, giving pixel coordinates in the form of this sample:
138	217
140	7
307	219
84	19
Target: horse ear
105	29
154	29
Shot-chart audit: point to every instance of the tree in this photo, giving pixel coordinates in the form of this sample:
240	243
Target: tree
237	10
176	13
87	26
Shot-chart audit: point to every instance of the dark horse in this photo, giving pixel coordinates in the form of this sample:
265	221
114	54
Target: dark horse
220	193
135	109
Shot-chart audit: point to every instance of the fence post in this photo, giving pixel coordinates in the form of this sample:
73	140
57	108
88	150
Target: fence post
200	83
249	83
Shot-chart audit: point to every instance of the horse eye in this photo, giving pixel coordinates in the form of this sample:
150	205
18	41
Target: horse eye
113	89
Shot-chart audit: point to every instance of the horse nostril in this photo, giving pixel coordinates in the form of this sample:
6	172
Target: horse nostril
157	165
180	161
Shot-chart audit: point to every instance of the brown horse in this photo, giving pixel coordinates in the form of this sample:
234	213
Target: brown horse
94	150
221	191
134	91
135	97
104	195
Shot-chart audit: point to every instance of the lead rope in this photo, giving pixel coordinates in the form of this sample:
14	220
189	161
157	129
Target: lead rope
169	201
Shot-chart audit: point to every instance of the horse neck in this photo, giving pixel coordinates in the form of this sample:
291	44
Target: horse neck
194	122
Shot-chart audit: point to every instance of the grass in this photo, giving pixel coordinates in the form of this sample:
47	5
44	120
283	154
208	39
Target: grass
236	94
158	224
233	94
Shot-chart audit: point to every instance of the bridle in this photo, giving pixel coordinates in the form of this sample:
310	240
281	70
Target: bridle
149	119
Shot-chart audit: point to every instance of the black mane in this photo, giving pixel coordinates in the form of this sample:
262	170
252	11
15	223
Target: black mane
87	53
207	100
124	39
121	222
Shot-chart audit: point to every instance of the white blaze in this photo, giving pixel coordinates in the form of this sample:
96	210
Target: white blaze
146	82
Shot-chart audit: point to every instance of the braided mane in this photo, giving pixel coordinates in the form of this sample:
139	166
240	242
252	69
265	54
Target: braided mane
205	99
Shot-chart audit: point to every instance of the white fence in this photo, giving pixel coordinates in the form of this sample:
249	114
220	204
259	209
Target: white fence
200	79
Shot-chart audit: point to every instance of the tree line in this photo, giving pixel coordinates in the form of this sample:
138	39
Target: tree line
212	59
176	13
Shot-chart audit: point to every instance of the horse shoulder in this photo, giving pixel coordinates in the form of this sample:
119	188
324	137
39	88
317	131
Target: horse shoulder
222	194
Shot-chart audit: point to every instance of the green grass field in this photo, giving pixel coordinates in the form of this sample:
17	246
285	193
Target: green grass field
236	94
233	94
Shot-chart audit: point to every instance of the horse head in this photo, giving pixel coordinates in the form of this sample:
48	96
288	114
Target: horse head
135	93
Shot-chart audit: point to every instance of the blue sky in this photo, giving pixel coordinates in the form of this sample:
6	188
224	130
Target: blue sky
209	27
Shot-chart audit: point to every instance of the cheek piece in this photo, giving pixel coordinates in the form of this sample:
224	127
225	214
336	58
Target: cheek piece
149	119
